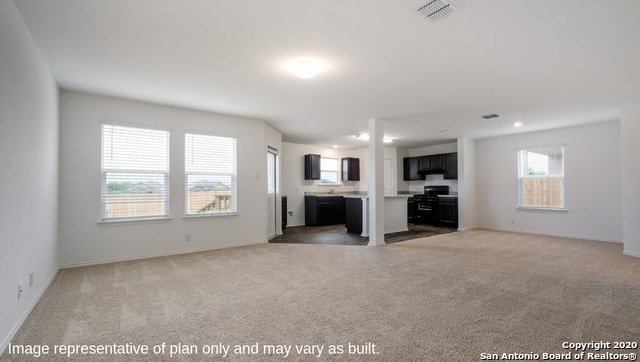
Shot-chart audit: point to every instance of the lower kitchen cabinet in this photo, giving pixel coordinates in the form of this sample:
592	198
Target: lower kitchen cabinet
353	215
448	211
323	210
410	209
284	213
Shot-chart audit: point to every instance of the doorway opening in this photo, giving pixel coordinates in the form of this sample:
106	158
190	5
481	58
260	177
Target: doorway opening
272	192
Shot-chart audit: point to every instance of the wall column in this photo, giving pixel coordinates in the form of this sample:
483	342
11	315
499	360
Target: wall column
630	147
376	182
467	212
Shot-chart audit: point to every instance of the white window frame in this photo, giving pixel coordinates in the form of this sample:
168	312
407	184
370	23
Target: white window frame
526	172
134	162
325	170
206	168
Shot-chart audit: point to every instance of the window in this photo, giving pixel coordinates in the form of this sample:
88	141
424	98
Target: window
210	175
541	178
135	173
329	170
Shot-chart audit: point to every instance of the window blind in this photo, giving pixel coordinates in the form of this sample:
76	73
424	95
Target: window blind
210	172
135	173
541	178
329	169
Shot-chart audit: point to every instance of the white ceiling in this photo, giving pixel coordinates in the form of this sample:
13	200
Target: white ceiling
546	63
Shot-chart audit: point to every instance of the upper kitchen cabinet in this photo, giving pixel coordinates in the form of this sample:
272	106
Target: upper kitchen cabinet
432	164
416	168
411	166
312	167
450	166
350	169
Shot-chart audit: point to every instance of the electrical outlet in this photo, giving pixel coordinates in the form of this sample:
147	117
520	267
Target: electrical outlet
19	290
31	278
187	237
290	213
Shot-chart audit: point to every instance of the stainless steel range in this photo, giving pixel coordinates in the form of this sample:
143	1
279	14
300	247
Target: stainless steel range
425	205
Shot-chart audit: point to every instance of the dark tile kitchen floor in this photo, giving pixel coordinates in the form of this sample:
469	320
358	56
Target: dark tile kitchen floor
337	235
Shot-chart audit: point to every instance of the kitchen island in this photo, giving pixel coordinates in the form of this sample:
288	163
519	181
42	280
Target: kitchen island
357	214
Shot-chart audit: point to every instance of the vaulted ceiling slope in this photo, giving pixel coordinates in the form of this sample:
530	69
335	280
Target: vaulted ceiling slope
545	63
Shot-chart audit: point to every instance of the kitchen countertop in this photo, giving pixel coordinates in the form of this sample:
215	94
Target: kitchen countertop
326	195
367	196
335	193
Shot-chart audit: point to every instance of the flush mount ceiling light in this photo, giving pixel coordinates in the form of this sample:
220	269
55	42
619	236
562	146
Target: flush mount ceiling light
517	124
305	68
365	136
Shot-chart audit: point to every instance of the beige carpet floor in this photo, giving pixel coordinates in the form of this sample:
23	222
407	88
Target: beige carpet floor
445	298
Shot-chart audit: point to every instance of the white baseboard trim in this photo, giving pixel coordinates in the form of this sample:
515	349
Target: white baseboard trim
23	318
396	230
630	253
147	256
552	234
462	228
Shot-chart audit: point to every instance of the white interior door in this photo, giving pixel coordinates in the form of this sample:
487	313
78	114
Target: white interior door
272	192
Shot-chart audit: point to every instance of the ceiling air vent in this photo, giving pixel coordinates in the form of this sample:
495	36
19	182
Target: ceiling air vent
436	10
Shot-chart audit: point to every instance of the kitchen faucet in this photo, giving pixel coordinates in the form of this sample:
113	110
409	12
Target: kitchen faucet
331	190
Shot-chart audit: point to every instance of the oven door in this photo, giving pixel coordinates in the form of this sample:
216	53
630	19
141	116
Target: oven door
425	212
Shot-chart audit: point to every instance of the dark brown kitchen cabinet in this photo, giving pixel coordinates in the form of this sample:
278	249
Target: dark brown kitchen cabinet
323	210
416	168
432	163
448	211
450	166
350	169
437	162
353	215
312	167
411	166
284	213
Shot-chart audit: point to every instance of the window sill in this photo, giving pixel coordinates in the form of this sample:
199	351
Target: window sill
115	222
208	216
543	209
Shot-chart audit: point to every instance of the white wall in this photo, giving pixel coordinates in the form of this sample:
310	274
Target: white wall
83	240
29	172
294	185
592	183
630	190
